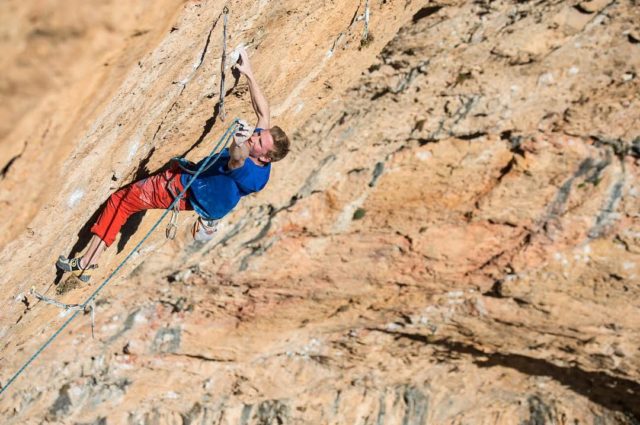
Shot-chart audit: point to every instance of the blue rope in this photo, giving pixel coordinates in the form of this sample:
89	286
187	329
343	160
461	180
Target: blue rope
228	134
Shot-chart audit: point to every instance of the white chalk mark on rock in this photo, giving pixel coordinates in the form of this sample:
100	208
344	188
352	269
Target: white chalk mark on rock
133	148
424	156
546	79
75	197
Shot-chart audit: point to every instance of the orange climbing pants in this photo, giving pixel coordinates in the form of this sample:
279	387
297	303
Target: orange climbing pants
152	192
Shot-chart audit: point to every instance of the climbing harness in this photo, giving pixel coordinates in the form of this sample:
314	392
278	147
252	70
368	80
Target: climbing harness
172	226
216	152
223	64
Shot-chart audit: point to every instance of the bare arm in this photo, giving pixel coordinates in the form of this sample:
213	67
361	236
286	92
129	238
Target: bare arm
258	100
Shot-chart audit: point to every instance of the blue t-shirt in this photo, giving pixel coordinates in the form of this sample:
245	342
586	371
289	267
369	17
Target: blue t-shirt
218	189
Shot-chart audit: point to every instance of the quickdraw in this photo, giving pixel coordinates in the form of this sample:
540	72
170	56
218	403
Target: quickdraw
223	62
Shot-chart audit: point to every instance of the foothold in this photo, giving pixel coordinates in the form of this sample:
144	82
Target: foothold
61	405
70	283
546	79
591	6
364	42
167	340
416	405
359	214
635	147
273	412
377	172
425	12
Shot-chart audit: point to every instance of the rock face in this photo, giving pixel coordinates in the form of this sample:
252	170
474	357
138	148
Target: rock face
455	237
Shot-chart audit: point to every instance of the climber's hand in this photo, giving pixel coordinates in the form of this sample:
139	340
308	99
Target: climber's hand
242	134
239	149
243	65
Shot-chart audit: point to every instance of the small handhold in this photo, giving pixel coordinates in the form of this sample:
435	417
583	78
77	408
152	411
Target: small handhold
591	6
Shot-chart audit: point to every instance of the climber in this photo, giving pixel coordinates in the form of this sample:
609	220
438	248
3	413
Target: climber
241	169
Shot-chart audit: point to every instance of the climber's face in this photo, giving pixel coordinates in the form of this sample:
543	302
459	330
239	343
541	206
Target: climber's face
260	143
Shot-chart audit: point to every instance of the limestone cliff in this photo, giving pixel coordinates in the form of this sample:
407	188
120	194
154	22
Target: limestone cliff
454	239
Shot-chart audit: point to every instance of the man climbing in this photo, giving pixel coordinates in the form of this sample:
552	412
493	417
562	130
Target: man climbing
240	170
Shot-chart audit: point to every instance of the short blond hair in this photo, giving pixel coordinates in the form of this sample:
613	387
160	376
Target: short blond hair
281	144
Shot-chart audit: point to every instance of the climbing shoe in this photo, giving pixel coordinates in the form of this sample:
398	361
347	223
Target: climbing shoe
203	230
73	265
